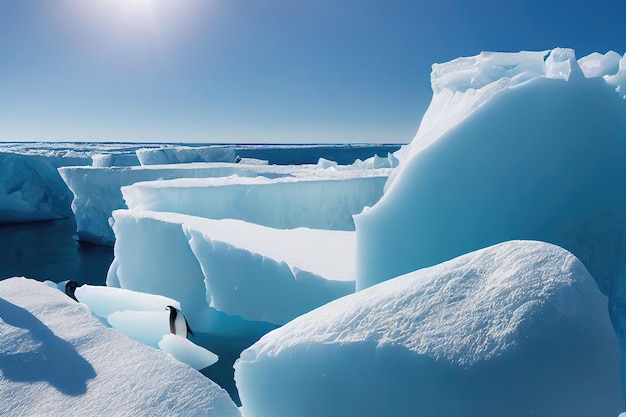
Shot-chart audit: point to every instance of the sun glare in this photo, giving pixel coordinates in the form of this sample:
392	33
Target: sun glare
130	21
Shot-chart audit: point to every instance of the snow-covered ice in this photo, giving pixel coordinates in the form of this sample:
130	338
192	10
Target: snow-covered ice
244	269
517	329
31	190
187	352
513	146
272	275
321	202
97	191
103	301
126	159
56	359
185	154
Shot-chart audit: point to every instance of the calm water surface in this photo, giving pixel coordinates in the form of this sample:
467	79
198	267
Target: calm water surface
48	250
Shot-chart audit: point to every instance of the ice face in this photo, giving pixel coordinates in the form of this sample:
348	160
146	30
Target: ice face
31	190
44	333
272	275
519	328
244	269
542	159
320	202
103	301
97	191
184	154
187	352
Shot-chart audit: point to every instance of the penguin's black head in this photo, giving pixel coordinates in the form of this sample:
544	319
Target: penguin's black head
70	288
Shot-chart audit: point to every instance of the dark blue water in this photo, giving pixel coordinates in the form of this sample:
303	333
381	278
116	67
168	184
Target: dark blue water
48	251
310	154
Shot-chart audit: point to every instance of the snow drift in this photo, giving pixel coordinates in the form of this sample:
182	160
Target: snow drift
519	329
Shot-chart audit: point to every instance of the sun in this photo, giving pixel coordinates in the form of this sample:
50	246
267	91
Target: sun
119	22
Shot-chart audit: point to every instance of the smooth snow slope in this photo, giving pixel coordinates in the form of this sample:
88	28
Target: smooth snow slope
519	329
57	359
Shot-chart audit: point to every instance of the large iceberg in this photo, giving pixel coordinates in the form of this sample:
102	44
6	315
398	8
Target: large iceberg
239	268
321	202
513	146
517	329
56	359
31	190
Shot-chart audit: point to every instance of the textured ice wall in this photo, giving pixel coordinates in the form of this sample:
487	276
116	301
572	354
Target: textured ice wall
243	269
513	146
97	190
31	190
185	154
284	203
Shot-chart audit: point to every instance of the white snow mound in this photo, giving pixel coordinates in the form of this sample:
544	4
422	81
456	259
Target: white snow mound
519	328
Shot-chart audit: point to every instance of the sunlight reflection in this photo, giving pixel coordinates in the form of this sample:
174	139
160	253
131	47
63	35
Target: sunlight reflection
119	22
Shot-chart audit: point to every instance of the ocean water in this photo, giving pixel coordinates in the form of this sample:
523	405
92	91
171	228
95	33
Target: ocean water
48	251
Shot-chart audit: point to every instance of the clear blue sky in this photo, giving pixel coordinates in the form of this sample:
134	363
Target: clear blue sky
259	71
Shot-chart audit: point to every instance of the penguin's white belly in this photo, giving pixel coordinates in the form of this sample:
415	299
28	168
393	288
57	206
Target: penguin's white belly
180	326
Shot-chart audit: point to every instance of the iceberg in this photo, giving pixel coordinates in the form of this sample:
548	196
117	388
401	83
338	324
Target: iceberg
185	154
519	329
122	159
97	190
319	202
513	146
56	359
31	190
104	301
239	268
187	352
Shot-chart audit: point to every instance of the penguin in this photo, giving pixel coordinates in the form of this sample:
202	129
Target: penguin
69	287
178	322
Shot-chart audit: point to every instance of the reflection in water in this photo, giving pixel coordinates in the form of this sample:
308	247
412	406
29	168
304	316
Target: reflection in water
48	250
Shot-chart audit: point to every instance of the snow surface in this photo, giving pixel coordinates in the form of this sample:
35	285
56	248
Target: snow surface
517	329
513	146
31	190
317	202
244	269
59	360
